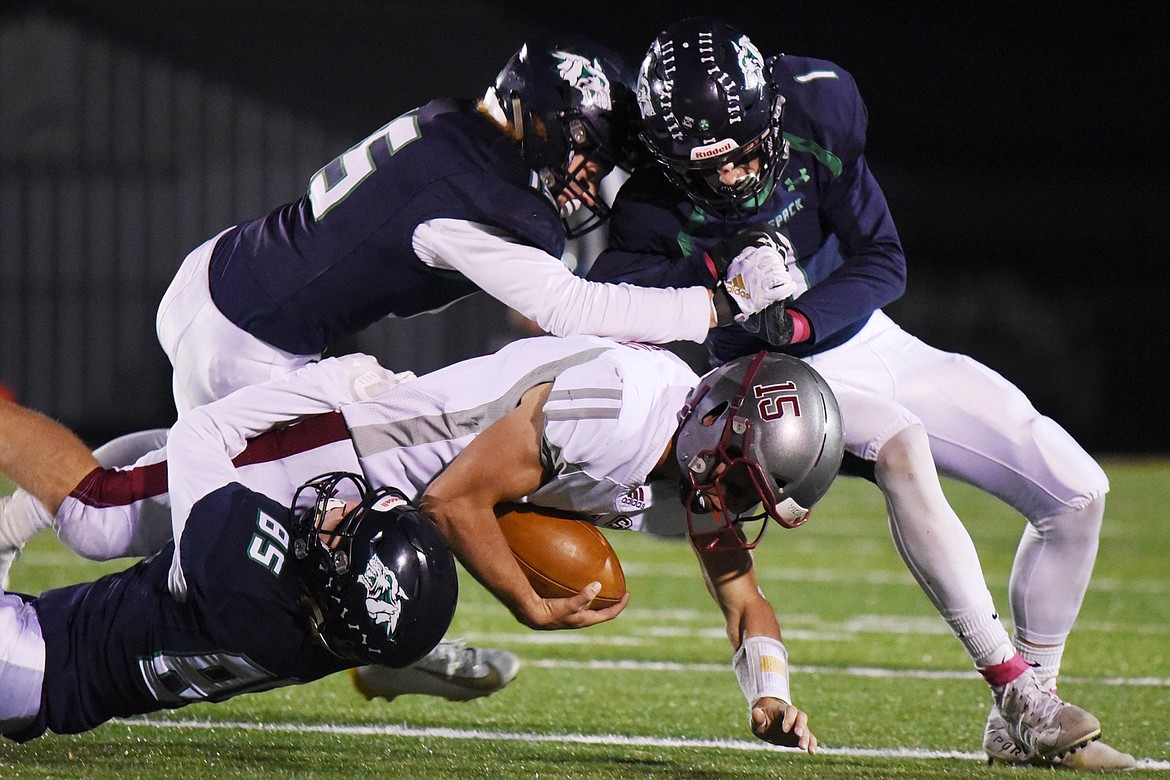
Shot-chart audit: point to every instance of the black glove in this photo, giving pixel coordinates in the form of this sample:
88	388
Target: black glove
726	250
725	306
774	324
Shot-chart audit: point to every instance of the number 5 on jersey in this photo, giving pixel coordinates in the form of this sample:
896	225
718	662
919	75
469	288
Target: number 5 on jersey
333	183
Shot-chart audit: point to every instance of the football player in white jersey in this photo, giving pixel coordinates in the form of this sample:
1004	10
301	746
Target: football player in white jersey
580	423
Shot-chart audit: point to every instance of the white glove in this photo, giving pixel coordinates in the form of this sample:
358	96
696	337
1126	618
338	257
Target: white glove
756	277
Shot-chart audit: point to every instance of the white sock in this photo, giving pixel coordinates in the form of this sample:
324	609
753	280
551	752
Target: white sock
981	633
1045	660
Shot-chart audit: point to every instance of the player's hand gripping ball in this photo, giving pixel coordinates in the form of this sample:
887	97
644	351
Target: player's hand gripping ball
561	554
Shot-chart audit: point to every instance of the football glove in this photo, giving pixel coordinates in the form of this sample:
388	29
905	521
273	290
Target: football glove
773	324
726	250
757	280
757	277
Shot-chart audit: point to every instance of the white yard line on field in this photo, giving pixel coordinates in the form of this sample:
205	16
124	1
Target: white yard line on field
852	671
650	631
618	740
869	577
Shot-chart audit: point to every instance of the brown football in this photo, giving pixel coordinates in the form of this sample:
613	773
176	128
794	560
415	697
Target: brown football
562	553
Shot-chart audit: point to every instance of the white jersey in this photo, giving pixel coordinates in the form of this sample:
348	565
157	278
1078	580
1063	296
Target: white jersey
609	418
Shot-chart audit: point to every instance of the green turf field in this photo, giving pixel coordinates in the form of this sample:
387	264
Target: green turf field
652	695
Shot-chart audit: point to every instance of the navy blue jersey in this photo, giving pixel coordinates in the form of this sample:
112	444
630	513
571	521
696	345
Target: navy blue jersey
340	258
825	200
122	645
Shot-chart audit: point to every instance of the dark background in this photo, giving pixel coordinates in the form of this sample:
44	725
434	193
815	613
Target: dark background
1021	149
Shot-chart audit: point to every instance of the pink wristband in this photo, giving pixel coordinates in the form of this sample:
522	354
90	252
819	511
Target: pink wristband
801	330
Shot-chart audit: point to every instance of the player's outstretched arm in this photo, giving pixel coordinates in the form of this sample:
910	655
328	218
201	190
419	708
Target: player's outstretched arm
760	659
543	289
502	465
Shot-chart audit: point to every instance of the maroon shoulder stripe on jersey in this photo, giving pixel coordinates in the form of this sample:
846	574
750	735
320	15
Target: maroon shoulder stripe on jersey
301	437
103	488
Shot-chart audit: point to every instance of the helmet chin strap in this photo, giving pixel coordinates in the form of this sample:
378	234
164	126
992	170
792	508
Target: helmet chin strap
579	208
571	204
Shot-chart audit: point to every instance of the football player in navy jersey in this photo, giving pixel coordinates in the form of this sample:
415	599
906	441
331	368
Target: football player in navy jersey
449	198
778	145
325	586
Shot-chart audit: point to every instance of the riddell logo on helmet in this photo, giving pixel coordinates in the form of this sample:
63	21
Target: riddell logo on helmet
386	503
713	150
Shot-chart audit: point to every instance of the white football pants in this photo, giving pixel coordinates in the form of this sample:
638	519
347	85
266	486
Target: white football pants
22	663
984	431
211	356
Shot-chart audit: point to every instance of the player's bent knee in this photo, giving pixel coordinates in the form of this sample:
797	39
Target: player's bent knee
901	452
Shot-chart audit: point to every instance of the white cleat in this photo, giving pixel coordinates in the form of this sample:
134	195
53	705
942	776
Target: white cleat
1039	722
1093	756
997	742
452	670
1096	756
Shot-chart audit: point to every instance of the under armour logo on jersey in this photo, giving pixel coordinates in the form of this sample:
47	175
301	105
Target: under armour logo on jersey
587	77
800	178
635	499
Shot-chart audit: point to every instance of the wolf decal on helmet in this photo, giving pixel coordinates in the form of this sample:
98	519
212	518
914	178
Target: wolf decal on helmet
751	64
384	596
380	579
587	77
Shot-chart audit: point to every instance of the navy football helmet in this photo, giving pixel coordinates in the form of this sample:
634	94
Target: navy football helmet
381	584
568	96
707	100
759	438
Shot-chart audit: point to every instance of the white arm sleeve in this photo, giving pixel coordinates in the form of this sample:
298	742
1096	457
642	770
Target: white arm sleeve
542	288
204	441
